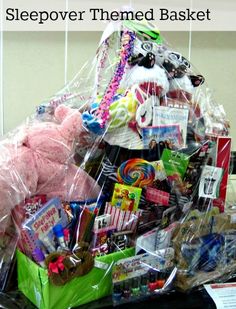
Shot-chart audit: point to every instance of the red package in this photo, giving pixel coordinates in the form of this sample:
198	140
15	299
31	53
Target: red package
157	196
221	158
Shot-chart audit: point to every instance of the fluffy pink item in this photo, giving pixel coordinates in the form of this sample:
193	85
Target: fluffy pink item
18	178
42	163
52	146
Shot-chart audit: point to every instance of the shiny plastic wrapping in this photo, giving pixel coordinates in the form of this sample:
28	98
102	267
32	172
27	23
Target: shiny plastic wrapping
117	185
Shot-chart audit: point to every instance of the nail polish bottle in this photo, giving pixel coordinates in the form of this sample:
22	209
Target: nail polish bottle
117	293
161	280
152	282
126	290
144	285
135	287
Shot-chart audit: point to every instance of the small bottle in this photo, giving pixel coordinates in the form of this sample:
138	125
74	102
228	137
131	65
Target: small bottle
135	287
161	280
126	290
117	293
152	282
144	285
59	233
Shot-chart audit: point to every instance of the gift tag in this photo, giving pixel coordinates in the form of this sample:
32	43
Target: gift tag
210	181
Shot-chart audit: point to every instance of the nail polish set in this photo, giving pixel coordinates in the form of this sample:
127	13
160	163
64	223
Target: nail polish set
139	287
140	276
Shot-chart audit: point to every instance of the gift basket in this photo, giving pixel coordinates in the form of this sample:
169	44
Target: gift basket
117	185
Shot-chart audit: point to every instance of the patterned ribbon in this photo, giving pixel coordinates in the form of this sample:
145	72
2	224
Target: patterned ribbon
102	113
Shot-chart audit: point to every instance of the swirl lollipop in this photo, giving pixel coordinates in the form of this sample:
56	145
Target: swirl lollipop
136	172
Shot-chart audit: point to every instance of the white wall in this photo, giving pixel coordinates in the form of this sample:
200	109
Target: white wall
34	66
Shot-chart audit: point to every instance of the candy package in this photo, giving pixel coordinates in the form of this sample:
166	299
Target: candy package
117	185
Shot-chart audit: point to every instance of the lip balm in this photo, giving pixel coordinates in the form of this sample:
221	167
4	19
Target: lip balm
59	233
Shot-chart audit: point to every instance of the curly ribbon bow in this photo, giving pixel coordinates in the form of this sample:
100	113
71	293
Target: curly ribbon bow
55	267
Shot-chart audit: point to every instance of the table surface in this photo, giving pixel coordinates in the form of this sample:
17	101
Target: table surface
193	300
196	299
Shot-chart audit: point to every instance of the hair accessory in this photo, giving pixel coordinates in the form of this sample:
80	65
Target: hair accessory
63	267
57	266
102	112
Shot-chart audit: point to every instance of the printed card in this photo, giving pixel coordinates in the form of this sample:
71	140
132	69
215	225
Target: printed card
165	115
126	197
170	133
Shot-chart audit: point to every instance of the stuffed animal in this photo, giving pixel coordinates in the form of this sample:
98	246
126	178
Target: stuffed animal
182	84
39	160
142	85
